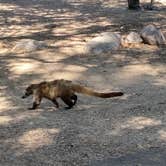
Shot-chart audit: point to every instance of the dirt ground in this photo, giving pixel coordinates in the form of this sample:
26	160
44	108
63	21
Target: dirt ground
129	130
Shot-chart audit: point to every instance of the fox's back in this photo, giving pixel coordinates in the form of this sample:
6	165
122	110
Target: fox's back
56	88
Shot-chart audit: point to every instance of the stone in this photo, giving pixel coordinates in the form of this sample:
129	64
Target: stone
133	37
104	43
28	45
153	36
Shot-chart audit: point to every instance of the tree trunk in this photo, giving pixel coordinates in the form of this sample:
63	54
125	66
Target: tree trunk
133	4
151	2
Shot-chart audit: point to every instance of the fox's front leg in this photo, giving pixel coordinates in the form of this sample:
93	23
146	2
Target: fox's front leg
56	103
36	102
34	106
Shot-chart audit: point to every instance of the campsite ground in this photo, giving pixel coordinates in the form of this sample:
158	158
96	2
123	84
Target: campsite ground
129	130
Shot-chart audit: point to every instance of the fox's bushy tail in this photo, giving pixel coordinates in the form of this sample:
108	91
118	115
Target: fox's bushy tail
90	92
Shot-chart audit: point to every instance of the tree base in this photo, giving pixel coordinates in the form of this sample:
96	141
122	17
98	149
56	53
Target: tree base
133	4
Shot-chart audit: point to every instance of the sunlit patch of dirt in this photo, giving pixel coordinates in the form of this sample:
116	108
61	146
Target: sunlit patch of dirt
132	73
36	138
5	120
162	135
137	123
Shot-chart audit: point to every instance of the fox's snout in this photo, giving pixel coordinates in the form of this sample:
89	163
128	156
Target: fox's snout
23	97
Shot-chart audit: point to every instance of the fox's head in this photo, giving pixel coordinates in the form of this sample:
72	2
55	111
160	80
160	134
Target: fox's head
29	90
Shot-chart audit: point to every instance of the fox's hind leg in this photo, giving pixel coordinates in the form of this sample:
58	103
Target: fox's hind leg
74	99
67	100
56	103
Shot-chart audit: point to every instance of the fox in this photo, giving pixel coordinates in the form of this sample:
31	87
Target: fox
64	89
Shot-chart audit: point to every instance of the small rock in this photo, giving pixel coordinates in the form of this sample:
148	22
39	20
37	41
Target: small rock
28	45
151	35
103	43
132	38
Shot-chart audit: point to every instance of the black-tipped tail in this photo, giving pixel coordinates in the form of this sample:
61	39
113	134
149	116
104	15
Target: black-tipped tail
108	95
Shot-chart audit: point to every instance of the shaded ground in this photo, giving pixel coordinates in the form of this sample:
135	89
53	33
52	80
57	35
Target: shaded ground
130	130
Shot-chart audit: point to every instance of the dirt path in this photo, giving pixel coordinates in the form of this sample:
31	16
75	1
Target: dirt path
130	130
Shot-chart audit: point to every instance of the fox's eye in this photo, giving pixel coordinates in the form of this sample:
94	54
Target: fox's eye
28	92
